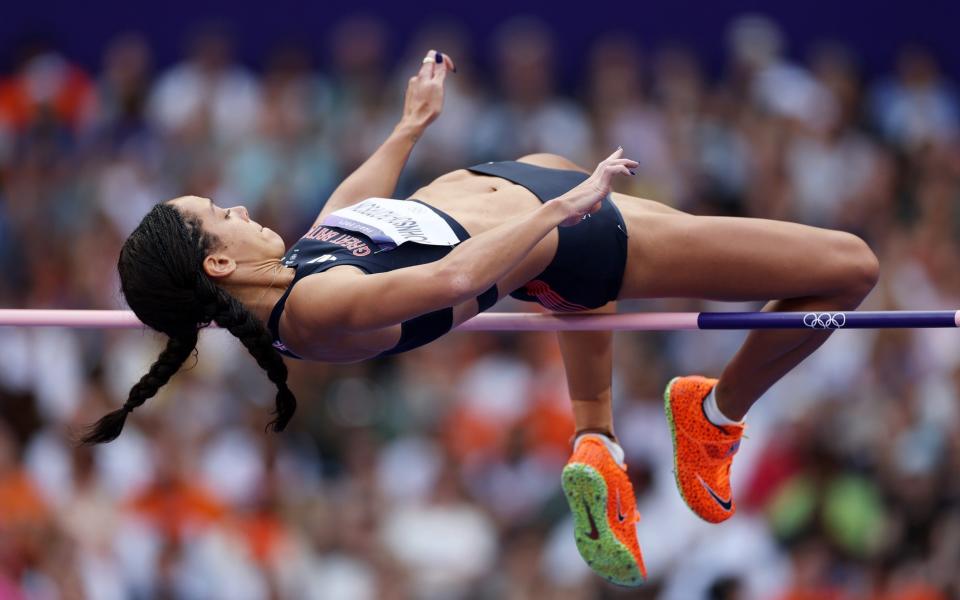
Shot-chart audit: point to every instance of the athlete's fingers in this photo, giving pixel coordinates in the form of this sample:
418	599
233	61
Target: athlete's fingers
616	154
429	64
443	64
612	170
628	163
440	73
447	60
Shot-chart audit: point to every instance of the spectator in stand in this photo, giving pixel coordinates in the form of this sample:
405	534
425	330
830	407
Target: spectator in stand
528	116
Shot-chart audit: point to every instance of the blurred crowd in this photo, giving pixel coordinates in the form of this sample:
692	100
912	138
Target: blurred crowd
435	474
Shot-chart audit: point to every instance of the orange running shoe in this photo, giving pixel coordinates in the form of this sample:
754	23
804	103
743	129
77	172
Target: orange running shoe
702	451
604	512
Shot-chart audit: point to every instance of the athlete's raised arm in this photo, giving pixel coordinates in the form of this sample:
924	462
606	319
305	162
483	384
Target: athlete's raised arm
357	302
378	175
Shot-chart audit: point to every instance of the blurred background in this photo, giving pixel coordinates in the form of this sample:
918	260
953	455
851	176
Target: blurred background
435	474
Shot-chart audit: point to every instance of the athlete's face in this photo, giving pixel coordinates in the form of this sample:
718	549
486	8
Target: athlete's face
242	240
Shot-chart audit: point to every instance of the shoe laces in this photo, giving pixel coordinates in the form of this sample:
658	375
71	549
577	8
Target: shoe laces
715	442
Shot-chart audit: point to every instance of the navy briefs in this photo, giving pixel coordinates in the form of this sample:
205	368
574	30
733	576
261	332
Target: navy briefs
587	270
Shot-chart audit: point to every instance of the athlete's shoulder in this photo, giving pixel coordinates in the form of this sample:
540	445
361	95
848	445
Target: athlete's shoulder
317	313
315	300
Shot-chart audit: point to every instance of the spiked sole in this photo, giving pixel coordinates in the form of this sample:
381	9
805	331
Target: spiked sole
668	410
609	558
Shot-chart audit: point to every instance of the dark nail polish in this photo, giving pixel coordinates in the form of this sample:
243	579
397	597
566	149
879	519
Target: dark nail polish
632	172
439	57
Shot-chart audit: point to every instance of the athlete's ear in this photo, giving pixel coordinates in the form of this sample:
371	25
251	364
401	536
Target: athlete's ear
218	265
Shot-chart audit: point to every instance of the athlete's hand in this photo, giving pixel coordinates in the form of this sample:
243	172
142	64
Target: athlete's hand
585	198
424	99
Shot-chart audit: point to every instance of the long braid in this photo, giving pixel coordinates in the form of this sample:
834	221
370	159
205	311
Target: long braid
173	356
233	316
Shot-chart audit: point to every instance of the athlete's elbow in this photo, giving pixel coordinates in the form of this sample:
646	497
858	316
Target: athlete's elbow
458	285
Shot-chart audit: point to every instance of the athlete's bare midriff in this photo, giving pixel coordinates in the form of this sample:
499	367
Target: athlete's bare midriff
478	202
482	202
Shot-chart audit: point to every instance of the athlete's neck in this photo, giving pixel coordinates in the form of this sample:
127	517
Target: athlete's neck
260	288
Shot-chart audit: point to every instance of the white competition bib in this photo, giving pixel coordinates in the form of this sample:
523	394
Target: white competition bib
393	222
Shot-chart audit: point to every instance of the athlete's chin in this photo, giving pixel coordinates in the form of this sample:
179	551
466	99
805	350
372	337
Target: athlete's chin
276	242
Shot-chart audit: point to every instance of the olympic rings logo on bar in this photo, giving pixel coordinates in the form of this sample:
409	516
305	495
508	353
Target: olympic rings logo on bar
825	320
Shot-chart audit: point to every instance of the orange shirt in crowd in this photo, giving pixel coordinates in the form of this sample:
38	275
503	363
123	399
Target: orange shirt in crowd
20	501
177	506
70	98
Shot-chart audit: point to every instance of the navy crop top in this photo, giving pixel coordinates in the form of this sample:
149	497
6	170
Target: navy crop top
324	247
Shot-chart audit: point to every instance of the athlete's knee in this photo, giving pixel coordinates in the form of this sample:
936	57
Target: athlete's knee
858	263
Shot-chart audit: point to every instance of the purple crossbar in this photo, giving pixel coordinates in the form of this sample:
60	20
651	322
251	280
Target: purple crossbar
112	319
829	320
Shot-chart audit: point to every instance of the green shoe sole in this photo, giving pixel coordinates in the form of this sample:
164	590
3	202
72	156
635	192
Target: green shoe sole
586	493
668	410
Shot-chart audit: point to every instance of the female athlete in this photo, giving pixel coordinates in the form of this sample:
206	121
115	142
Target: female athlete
375	276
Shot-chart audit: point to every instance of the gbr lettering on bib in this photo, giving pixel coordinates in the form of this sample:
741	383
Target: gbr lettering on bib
390	223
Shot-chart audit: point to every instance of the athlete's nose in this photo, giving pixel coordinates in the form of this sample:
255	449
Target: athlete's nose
244	213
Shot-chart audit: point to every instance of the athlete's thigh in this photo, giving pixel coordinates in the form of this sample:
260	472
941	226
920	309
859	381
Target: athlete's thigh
734	258
630	204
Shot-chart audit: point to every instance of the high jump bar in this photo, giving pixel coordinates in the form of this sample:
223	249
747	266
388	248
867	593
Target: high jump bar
656	321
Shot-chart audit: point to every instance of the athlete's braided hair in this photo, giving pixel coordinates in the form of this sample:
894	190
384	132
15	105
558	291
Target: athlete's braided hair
162	278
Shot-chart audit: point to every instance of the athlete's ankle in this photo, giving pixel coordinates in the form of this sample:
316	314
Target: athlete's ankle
716	415
611	443
605	431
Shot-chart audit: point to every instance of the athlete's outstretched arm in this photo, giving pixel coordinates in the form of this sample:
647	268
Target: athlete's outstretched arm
357	302
378	175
